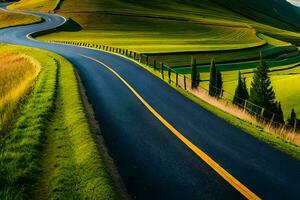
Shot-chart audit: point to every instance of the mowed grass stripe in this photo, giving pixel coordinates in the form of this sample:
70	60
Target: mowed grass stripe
71	165
206	158
164	36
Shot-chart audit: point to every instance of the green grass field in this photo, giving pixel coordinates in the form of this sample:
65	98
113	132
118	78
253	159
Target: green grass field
51	152
171	32
140	37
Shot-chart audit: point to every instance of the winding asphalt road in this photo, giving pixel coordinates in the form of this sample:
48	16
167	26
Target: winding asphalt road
152	161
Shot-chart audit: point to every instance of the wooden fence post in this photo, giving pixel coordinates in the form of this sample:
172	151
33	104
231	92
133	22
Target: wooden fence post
169	74
262	112
245	105
184	81
162	71
272	119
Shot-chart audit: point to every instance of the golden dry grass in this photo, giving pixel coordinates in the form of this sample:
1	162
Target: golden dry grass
17	75
13	19
36	5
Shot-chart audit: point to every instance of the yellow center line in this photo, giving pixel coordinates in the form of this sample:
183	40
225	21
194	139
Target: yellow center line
206	158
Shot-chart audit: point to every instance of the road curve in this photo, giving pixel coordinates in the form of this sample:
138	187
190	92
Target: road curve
152	161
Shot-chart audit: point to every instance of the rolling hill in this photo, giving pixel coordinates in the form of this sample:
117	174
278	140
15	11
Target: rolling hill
174	30
277	13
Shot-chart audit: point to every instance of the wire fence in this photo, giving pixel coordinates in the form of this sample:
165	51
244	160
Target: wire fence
241	107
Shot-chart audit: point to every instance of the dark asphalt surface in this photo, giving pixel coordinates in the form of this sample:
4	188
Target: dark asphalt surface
153	163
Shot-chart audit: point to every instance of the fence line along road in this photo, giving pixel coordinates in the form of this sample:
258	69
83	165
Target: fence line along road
171	76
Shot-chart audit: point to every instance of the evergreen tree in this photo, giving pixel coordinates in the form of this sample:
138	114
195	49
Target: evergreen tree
212	80
261	92
219	84
279	114
241	92
194	74
291	121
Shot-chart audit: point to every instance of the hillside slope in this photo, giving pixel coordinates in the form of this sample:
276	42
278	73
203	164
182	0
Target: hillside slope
257	14
35	5
9	19
277	13
89	13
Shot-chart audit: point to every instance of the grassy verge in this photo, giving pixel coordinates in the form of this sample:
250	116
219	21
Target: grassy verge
72	167
20	150
51	143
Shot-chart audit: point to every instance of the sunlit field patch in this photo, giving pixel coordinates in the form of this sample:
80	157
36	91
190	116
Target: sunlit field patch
36	5
13	19
17	75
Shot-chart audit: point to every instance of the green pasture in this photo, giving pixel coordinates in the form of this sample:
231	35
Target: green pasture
146	35
172	31
156	27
